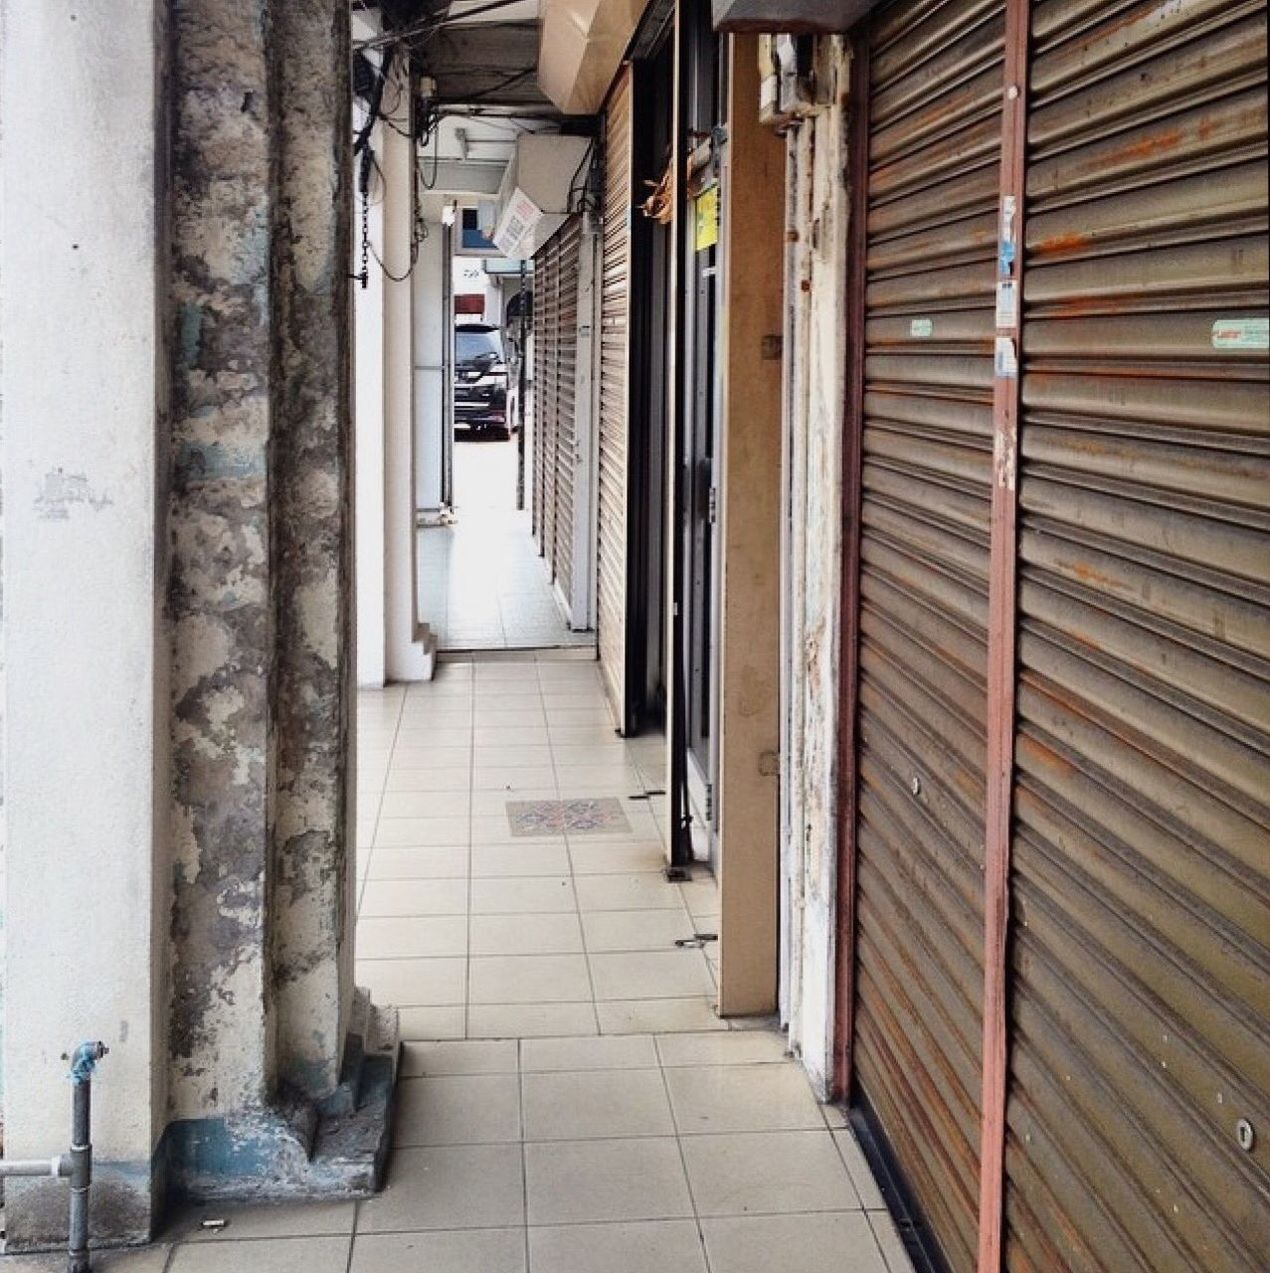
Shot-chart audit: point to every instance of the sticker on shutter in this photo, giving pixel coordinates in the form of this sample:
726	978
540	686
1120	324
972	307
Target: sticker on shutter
1241	333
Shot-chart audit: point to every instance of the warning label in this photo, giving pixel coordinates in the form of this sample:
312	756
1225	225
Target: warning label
1241	333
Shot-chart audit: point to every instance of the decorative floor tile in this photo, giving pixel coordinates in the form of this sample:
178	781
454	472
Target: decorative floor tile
587	816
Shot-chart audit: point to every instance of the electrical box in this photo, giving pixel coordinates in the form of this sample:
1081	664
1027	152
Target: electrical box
542	185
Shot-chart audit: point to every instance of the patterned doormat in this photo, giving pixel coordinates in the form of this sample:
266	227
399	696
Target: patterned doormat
575	817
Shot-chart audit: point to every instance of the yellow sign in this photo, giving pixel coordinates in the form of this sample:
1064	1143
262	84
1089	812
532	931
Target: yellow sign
706	219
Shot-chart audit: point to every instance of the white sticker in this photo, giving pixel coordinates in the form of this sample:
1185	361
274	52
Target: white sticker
922	328
1007	304
1241	333
1004	362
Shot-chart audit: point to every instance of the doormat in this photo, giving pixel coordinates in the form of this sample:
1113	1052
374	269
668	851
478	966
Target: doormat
572	817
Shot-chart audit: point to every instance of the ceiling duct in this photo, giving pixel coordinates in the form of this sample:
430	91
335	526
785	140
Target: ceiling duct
580	48
536	196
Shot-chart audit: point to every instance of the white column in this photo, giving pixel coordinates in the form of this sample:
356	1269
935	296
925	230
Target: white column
85	652
410	648
431	331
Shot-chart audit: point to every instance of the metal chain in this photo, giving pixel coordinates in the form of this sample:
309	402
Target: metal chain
364	276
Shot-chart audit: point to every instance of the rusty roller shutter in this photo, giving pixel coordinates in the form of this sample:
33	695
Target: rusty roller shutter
1141	854
546	392
933	91
569	242
614	390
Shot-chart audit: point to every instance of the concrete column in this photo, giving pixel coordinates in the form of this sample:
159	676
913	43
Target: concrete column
85	651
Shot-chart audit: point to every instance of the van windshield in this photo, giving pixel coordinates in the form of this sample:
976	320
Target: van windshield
477	348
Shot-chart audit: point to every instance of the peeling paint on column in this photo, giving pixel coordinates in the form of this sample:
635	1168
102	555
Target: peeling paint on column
220	602
312	543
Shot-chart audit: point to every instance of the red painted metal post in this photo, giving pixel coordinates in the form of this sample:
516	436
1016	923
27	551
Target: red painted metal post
852	442
1002	624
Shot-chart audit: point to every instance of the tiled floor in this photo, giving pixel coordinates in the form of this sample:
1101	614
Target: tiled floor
482	585
569	1102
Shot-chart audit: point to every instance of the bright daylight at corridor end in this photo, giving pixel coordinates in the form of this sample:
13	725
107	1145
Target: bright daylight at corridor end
634	636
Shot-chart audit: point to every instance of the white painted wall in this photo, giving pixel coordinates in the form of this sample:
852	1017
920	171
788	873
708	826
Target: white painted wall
431	331
368	382
86	726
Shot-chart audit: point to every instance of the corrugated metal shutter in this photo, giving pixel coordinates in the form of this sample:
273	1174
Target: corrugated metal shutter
568	244
934	85
546	392
614	390
1141	856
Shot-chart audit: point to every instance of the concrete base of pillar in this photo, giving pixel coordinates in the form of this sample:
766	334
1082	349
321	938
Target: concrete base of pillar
428	643
296	1149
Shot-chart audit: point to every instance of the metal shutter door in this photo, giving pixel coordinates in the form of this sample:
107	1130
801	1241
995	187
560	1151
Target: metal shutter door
1141	851
568	244
614	391
934	99
546	397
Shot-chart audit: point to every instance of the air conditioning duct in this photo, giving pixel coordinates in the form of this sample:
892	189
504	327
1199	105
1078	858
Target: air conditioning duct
541	187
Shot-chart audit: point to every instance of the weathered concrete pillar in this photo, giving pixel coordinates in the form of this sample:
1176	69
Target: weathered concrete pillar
85	651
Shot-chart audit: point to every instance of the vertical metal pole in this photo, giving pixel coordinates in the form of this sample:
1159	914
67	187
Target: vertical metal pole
522	380
852	443
1002	621
81	1155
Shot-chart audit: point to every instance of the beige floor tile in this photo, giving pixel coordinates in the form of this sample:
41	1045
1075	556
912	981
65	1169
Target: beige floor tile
433	1023
431	757
764	1173
737	1047
651	974
433	735
448	1187
488	804
858	1169
607	857
525	935
614	1052
476	1251
493	756
511	896
419	864
584	781
503	735
572	1182
450	778
407	983
513	778
529	1020
604	752
411	938
294	1220
742	1098
810	1244
460	1109
426	804
464	1056
382	898
888	1239
530	979
658	1016
396	833
270	1255
525	857
649	1246
635	930
596	1104
153	1259
495	828
701	896
636	892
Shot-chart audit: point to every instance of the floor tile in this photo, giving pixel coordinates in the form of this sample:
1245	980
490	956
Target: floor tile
649	1246
460	1109
425	804
889	1241
386	898
572	1182
615	1052
430	757
530	979
448	1187
626	893
658	1016
597	1103
858	1169
810	1244
652	974
152	1259
754	1173
450	778
529	1020
492	860
276	1255
511	896
395	833
525	935
466	1056
432	1022
610	858
414	982
476	1251
513	778
411	938
740	1098
737	1047
635	930
292	1220
418	864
